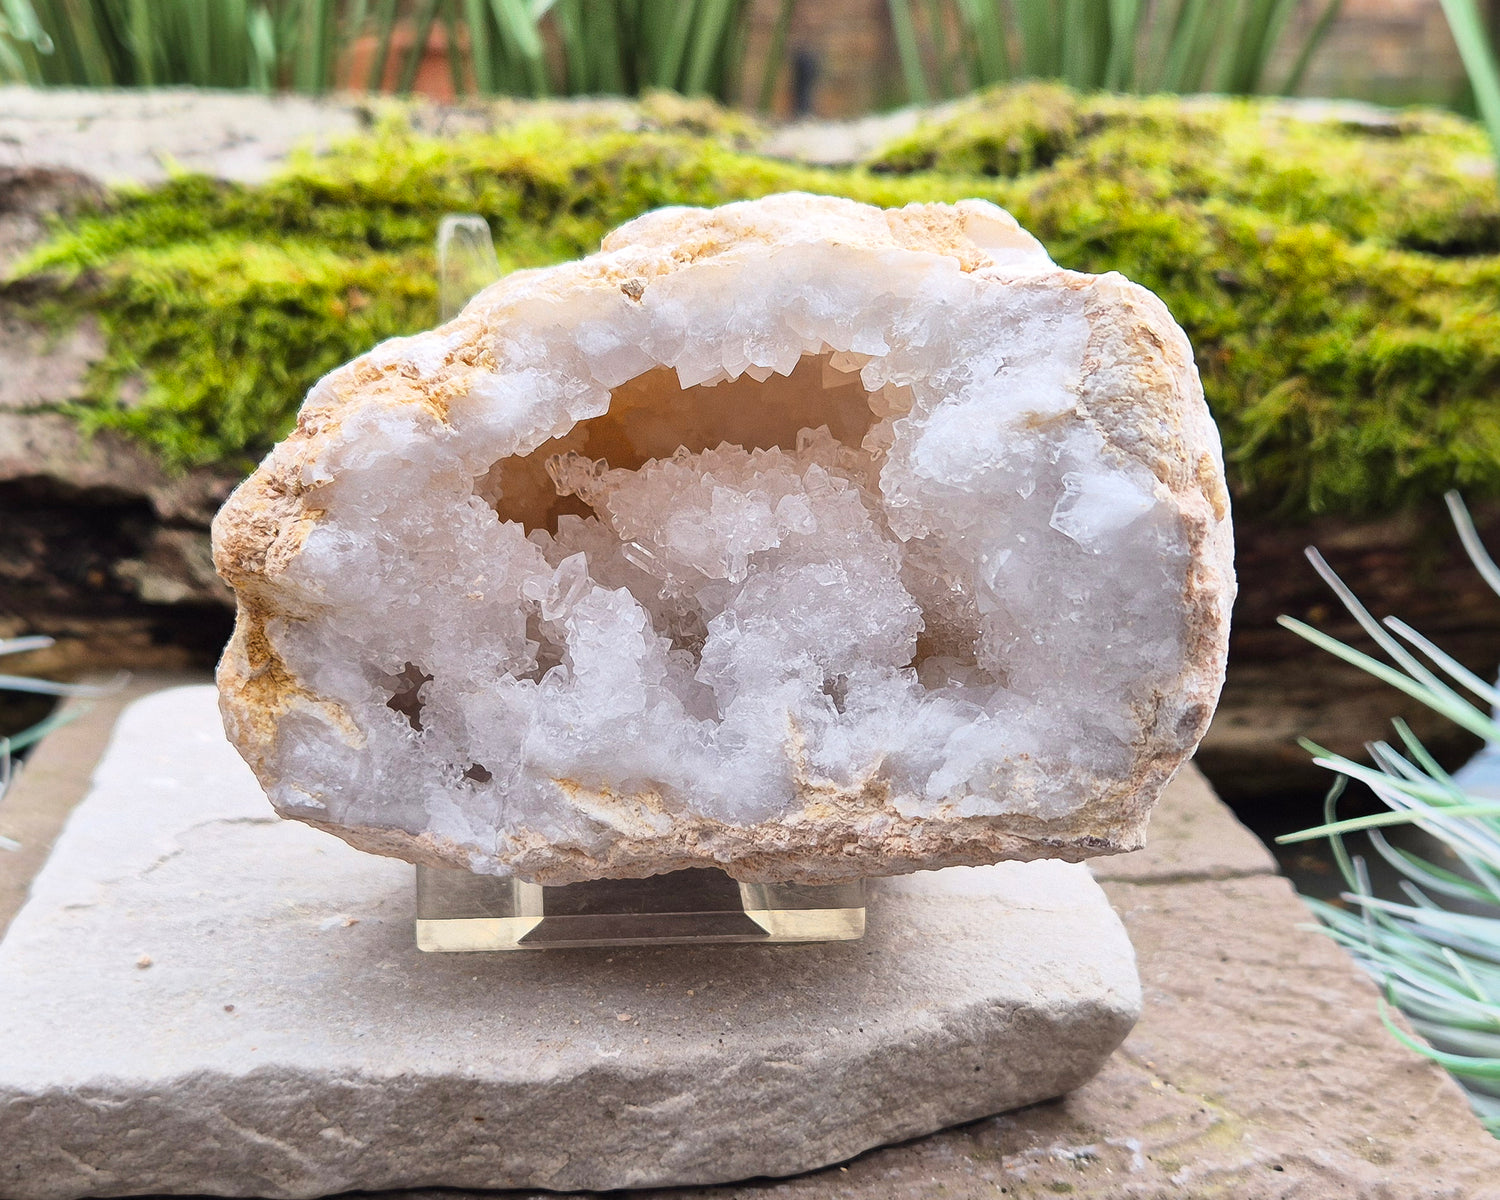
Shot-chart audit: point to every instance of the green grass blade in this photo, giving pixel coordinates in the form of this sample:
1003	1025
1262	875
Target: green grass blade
1335	842
518	30
614	48
1391	762
49	687
1445	662
710	33
234	45
426	18
775	56
385	24
1382	820
1458	1064
1125	23
1428	874
1479	61
143	42
616	43
93	60
1041	38
1456	1037
1190	47
984	34
1420	753
1420	796
1080	36
1440	699
195	43
19	19
937	23
908	52
1473	547
1455	929
1258	28
324	24
458	57
262	34
35	733
1471	980
481	47
24	645
15	63
666	34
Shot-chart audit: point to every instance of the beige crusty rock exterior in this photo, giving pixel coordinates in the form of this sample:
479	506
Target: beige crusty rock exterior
1139	388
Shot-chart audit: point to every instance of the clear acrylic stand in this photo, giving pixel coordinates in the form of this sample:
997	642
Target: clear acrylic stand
460	911
466	261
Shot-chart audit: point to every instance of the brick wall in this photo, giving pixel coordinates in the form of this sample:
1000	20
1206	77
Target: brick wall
845	46
1393	51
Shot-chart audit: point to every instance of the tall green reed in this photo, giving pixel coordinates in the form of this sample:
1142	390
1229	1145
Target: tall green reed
1118	45
493	47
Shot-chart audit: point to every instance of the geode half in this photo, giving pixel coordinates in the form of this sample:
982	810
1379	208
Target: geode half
796	537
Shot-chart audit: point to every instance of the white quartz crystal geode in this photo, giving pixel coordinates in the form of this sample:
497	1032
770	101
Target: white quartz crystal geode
796	537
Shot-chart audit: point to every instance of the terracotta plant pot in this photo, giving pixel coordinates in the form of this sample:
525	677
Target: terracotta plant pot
434	76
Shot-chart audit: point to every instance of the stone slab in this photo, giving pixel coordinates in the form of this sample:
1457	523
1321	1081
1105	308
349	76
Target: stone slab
199	997
55	777
142	136
1259	1070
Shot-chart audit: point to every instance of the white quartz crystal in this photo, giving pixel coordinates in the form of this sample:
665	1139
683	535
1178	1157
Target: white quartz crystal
795	536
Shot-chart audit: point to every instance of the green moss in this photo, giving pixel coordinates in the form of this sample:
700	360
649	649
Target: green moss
229	302
212	341
1422	180
1340	281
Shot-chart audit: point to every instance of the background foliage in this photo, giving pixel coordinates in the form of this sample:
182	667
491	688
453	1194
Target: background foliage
1222	46
622	47
512	47
1435	947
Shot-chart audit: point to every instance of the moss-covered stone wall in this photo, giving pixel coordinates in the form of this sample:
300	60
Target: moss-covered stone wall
1337	270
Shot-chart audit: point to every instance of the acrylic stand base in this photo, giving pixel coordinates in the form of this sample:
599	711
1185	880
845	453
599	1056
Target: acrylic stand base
457	910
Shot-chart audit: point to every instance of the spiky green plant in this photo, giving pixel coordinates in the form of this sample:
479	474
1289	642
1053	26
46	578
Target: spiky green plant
1437	951
40	687
1478	54
1120	45
10	745
494	47
258	44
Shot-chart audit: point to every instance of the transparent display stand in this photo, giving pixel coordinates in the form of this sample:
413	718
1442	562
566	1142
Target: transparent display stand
460	911
457	910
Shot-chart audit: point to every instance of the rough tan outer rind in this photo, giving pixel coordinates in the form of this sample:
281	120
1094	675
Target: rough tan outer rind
1140	389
